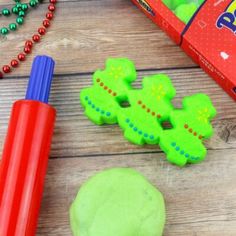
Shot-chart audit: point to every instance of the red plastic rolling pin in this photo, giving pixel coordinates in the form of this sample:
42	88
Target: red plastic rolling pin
25	154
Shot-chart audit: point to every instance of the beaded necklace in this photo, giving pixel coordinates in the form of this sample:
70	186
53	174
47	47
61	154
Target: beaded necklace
20	10
29	43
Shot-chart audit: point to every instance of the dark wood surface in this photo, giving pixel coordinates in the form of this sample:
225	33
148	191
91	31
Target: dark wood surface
200	199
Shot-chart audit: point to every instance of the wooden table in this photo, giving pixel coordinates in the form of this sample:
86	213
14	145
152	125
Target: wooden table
200	199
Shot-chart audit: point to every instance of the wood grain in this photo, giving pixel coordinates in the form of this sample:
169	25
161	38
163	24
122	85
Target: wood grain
200	199
85	33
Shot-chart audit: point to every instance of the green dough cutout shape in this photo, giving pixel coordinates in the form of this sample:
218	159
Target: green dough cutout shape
118	202
110	86
191	125
149	107
173	4
185	11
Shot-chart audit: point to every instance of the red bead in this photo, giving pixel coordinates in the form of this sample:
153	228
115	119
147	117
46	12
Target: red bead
190	130
51	7
36	38
186	126
49	15
153	113
14	63
41	31
29	44
158	116
21	57
27	50
6	69
139	102
46	23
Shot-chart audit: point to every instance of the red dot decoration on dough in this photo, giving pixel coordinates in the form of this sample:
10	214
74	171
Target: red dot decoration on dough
106	88
148	110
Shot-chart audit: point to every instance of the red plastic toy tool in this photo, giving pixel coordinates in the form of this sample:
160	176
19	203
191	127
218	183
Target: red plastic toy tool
25	154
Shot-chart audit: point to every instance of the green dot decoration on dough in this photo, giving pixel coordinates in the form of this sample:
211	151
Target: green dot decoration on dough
149	106
118	202
110	86
191	125
183	9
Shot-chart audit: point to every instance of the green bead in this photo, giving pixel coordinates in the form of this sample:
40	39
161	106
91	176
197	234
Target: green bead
19	20
4	31
18	5
6	12
13	26
15	10
24	7
21	13
33	3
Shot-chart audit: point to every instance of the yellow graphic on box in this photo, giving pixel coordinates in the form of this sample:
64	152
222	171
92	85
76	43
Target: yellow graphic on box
228	18
232	7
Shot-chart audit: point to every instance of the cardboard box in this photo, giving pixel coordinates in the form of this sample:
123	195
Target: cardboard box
209	38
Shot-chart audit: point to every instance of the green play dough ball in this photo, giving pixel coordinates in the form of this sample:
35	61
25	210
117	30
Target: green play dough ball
173	4
118	202
185	11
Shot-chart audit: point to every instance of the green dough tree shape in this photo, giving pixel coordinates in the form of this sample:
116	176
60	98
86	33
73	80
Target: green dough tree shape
173	4
149	106
110	86
118	202
191	125
185	11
